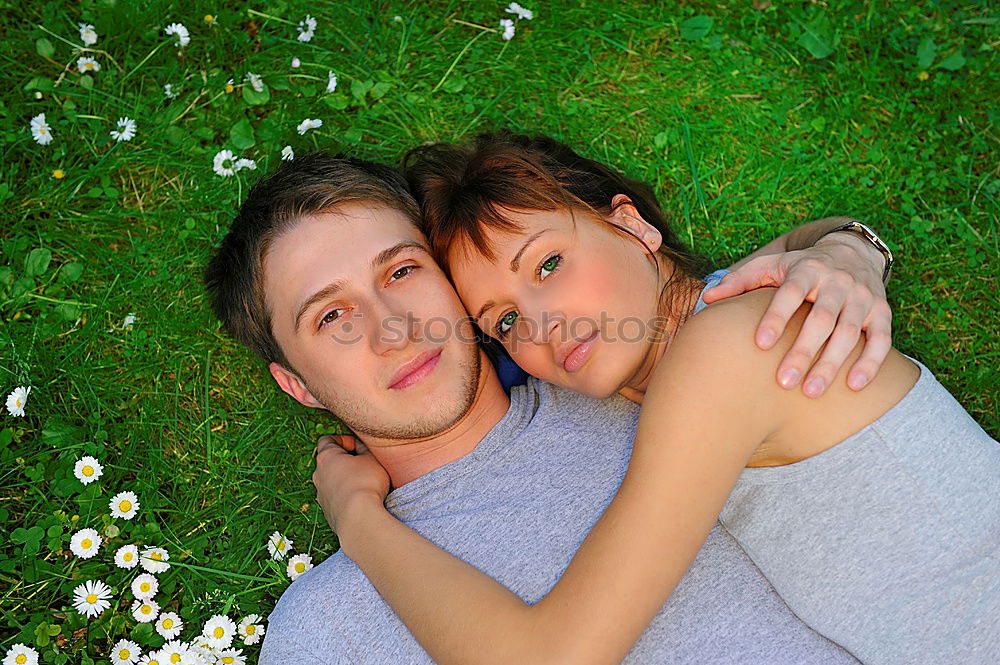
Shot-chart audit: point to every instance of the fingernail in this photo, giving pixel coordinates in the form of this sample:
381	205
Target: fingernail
814	387
789	377
766	338
858	381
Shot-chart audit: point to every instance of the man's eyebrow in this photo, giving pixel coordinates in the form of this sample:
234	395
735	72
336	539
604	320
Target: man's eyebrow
328	291
390	253
515	263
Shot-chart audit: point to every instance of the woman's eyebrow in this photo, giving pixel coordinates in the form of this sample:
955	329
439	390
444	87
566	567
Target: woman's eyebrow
515	263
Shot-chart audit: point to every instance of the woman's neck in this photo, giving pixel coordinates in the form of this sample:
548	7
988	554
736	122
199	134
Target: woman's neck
682	297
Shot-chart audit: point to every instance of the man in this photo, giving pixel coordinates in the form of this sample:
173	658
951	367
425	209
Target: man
327	277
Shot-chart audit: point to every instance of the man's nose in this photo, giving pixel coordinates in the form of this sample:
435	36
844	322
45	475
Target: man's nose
393	327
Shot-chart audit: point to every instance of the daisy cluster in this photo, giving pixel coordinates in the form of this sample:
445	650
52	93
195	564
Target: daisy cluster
507	25
279	547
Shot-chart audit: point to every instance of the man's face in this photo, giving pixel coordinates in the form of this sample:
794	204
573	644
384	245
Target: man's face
370	323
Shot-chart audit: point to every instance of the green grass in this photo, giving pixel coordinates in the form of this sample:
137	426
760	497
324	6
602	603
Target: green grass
743	131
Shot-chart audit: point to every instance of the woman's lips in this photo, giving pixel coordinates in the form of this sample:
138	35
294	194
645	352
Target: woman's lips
418	373
579	355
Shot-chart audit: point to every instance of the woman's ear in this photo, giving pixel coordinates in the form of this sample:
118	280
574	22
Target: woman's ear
625	215
293	385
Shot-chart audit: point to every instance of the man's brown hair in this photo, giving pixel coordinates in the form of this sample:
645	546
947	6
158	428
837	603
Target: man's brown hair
314	183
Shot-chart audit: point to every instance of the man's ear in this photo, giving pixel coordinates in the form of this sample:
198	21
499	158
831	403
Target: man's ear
625	215
294	386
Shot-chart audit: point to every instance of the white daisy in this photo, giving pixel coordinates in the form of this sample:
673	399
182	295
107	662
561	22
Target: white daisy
245	164
19	396
154	559
127	556
86	64
287	154
307	28
308	124
508	29
256	82
219	630
145	611
87	469
297	565
179	31
168	90
230	86
169	625
91	598
87	34
296	63
174	651
331	84
42	133
130	317
152	658
85	543
231	657
224	163
514	8
250	630
19	654
278	546
145	586
124	505
125	652
125	130
397	19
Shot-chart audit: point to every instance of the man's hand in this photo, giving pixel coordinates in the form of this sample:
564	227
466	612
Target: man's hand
341	478
842	281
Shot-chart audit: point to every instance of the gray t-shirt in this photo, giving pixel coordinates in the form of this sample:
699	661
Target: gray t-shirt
518	507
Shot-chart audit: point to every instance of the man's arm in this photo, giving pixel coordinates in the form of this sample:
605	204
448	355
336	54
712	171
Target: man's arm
841	274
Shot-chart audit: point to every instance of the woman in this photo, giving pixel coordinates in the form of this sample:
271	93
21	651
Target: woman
876	515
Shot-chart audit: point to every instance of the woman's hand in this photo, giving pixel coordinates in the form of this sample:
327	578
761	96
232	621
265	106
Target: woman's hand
345	473
839	275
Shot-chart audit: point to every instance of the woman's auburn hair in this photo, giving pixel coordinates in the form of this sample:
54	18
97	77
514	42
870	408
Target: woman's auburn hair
466	191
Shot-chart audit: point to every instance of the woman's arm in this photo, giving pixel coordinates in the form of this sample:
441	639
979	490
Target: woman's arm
841	273
710	403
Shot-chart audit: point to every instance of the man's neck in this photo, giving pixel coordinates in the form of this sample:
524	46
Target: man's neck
408	461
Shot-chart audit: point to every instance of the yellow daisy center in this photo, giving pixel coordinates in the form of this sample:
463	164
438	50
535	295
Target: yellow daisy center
218	632
280	544
146	609
229	87
168	624
228	659
209	18
125	506
300	567
156	556
123	654
251	629
127	556
58	174
17	402
87	470
144	586
175	658
86	543
21	659
91	598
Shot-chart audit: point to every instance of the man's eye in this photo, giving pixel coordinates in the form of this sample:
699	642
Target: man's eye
550	265
506	323
403	272
330	317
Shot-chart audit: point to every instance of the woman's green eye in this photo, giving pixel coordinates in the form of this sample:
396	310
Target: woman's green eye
549	266
506	323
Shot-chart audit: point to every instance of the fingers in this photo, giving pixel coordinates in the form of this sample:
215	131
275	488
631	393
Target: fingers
842	342
878	341
752	275
784	304
814	333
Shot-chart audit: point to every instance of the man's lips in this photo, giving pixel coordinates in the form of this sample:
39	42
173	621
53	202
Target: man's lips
415	370
572	356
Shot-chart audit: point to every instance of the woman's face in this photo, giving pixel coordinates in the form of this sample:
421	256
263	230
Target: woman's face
573	301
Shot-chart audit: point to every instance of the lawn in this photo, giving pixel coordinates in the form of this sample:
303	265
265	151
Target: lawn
749	118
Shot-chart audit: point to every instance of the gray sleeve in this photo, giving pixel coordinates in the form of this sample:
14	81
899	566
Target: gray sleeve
300	630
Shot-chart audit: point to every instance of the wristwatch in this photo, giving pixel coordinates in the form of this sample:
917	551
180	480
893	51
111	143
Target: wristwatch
860	229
